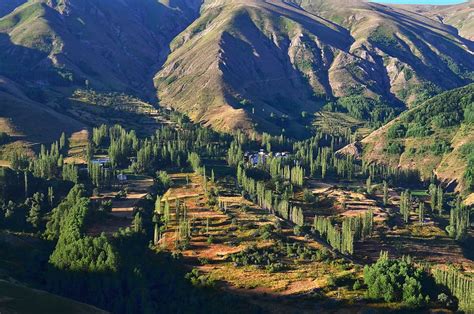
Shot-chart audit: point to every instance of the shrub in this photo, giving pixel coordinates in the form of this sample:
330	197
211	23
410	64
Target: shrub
163	180
258	257
357	285
418	130
275	267
397	130
265	231
297	230
395	148
210	239
308	196
198	280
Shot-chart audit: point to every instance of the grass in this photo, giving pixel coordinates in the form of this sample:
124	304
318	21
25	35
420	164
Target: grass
337	122
22	16
77	147
21	299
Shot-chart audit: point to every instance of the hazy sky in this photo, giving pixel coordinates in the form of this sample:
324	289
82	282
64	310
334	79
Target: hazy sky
420	1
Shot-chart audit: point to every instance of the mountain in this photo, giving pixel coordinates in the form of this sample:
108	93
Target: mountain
262	65
103	44
435	137
30	120
247	64
48	49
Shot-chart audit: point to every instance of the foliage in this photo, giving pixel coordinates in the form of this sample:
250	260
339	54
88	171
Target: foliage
460	285
199	280
395	280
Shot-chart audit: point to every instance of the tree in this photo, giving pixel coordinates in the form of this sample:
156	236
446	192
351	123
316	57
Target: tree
34	215
50	196
440	200
25	174
459	221
421	211
195	161
405	205
433	190
385	193
137	223
395	280
158	208
156	230
63	142
368	184
460	285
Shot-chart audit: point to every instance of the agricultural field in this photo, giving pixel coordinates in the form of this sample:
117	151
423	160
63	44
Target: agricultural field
288	266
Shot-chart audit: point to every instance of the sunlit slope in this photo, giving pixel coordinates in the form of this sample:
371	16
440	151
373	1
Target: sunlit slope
435	137
259	64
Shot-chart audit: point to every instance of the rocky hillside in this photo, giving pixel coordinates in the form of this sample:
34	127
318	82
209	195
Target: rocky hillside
250	63
103	44
48	49
435	137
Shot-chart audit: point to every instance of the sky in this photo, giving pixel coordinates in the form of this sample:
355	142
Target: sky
440	2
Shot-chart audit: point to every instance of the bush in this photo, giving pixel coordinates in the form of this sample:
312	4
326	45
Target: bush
396	131
265	231
395	148
210	239
308	196
163	179
198	280
254	256
357	285
418	130
275	267
297	230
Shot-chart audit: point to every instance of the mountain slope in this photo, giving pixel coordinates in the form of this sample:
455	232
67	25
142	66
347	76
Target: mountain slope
26	119
244	61
234	64
460	16
103	44
7	7
21	299
437	136
48	49
259	64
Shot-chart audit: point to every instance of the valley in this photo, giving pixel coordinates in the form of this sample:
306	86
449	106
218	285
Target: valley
236	156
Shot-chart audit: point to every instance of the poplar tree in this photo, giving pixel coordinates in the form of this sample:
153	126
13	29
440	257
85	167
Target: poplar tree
158	208
433	190
440	200
421	212
385	193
